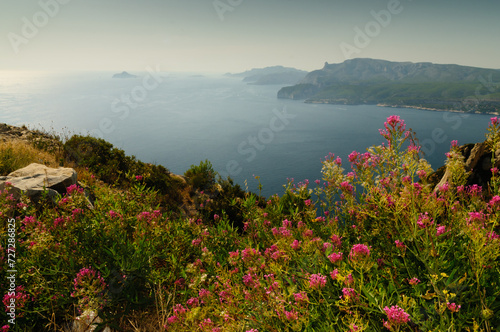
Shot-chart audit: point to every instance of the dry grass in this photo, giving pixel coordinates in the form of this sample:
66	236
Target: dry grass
15	154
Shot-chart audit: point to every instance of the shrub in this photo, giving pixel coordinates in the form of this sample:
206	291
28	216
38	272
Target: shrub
202	177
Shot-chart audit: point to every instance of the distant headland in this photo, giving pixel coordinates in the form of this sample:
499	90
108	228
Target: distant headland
400	84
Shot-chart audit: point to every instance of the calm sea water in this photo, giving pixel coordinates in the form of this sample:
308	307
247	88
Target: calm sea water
180	119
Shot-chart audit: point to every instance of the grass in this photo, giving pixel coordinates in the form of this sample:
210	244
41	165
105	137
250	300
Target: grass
15	154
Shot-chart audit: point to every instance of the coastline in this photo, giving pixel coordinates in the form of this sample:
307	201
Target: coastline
434	109
401	106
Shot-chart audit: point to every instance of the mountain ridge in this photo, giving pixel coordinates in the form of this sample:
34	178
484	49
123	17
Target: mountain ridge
421	84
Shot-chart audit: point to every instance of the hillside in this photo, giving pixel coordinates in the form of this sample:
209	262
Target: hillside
427	85
379	243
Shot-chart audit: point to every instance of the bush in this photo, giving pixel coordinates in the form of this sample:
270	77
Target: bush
112	166
202	177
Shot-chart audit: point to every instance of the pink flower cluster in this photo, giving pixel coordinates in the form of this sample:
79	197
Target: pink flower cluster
317	281
396	317
453	307
400	245
413	281
359	252
90	287
424	220
349	294
20	298
74	189
335	257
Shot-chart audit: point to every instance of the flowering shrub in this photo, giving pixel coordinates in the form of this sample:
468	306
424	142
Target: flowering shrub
373	246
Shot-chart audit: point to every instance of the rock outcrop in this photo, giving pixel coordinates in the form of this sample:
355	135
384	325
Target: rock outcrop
34	179
478	161
35	137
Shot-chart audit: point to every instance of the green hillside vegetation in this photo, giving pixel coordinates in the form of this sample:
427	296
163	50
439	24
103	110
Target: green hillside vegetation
442	95
426	85
369	246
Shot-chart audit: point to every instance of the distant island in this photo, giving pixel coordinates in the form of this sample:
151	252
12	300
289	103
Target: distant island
124	74
271	75
400	84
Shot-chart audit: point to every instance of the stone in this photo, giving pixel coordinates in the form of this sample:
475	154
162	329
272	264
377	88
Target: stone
35	178
87	322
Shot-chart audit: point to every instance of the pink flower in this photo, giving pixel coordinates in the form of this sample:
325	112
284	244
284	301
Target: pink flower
307	202
395	316
301	297
234	257
317	281
74	189
413	281
454	143
440	230
424	220
139	177
112	214
453	307
172	320
495	201
349	279
193	302
334	274
203	293
400	244
291	315
393	120
352	156
307	233
347	187
494	121
359	252
337	240
335	257
179	309
444	187
421	173
296	244
349	294
327	246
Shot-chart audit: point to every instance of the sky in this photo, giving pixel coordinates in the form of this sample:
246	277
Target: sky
236	35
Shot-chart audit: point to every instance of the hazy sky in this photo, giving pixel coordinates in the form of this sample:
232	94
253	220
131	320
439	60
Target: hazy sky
235	35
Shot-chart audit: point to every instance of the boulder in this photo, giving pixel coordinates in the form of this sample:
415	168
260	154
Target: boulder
34	179
87	322
478	161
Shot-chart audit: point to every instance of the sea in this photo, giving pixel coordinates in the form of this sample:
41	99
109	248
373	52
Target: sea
180	119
